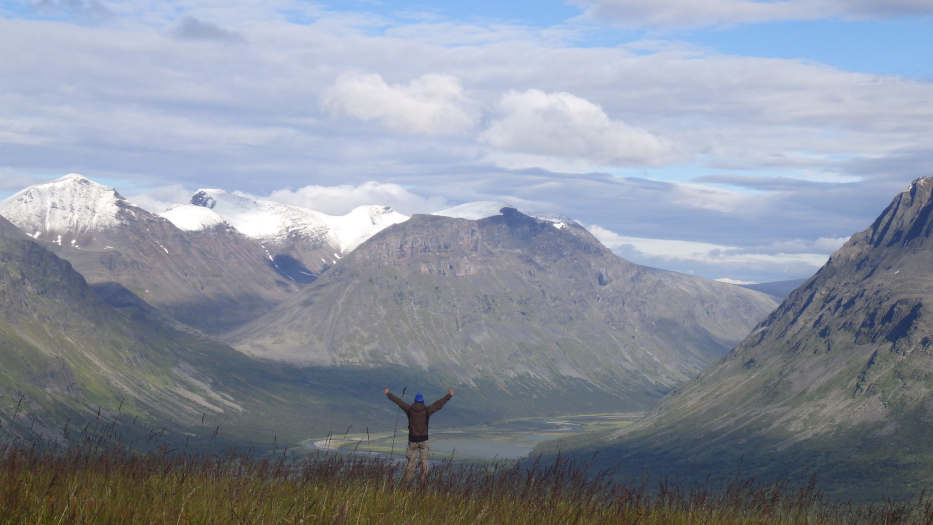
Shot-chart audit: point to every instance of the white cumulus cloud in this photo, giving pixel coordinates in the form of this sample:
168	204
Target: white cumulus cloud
160	198
564	125
340	199
429	104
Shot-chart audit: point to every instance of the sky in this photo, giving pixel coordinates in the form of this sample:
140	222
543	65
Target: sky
737	139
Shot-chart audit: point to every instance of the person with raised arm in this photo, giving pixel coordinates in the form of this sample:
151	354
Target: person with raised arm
418	417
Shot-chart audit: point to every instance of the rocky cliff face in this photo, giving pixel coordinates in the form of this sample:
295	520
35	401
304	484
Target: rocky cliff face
844	367
509	300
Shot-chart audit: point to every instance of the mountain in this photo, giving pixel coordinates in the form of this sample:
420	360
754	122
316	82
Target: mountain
211	277
70	359
525	307
66	353
294	234
837	382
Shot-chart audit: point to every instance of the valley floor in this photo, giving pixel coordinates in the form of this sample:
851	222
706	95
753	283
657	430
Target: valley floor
505	441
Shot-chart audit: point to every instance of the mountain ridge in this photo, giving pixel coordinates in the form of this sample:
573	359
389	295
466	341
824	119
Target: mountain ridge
838	379
502	298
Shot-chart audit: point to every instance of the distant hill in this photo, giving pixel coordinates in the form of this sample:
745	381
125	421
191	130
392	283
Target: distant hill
837	382
521	308
779	290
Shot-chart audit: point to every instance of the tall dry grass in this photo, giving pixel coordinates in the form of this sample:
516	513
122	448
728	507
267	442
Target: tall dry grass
102	484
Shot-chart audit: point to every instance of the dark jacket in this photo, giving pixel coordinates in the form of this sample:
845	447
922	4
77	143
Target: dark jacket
418	416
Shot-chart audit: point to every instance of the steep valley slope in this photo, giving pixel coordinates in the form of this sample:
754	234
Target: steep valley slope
837	382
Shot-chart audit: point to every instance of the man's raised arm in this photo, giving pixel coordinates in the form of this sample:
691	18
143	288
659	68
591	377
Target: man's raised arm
437	405
397	400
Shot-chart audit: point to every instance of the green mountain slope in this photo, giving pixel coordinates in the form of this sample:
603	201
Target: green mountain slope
531	309
837	382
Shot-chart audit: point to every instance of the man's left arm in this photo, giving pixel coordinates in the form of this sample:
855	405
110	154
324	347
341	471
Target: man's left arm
437	405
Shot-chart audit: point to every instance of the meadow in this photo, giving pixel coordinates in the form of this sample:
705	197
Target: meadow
97	483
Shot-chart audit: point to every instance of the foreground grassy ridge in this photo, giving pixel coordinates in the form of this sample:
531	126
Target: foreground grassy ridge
95	486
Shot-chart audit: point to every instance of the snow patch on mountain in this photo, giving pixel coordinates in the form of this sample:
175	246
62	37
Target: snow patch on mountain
261	219
192	218
351	230
71	204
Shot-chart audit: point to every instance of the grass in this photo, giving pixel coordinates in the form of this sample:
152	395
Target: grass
92	483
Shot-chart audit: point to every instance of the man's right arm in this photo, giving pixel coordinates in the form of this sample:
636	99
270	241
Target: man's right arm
397	400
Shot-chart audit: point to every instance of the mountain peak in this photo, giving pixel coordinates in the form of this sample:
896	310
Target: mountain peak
906	223
203	198
72	204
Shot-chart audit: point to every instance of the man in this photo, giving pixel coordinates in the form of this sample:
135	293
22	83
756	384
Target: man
418	417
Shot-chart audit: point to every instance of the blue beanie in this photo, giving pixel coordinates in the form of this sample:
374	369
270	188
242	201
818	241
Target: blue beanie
419	398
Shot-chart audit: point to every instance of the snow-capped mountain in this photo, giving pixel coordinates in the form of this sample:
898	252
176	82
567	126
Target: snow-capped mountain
68	209
202	272
315	239
261	219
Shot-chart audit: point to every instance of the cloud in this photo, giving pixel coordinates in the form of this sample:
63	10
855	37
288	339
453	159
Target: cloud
761	183
191	28
727	280
689	13
788	149
339	200
160	198
428	104
565	125
801	259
